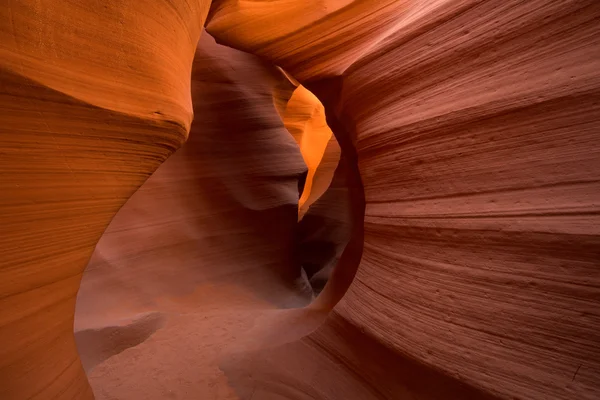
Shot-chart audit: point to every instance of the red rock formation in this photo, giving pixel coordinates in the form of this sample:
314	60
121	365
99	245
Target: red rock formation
475	128
204	249
323	175
325	229
304	118
94	97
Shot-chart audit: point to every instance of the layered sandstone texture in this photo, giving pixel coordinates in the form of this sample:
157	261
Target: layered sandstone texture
454	237
304	117
94	97
203	252
476	126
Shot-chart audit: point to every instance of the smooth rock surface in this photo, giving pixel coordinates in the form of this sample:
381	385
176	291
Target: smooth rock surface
304	117
470	135
94	97
203	252
477	127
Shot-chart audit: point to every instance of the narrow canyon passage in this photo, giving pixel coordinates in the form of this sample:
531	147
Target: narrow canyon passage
154	243
203	259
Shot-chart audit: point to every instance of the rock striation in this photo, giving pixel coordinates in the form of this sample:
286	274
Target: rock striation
476	129
94	97
459	231
204	249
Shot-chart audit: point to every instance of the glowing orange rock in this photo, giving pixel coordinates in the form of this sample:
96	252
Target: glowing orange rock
94	97
474	126
304	117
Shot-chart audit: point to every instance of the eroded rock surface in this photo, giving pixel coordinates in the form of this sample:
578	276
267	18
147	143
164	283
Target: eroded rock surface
474	126
206	243
94	97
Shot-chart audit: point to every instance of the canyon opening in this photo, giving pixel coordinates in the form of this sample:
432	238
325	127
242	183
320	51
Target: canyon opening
299	199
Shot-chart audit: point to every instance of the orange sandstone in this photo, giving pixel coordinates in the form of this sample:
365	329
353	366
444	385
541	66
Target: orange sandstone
460	227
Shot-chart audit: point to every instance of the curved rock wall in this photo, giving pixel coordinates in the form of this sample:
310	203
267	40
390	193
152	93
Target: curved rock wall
474	125
204	249
326	228
222	209
304	118
89	109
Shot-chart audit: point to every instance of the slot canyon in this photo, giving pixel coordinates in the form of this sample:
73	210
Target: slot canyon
300	199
